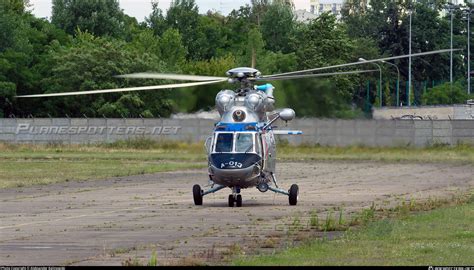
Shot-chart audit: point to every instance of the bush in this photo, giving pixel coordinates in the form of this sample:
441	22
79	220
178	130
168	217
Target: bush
443	94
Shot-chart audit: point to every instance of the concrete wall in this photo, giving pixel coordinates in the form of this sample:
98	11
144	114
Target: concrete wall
457	112
330	132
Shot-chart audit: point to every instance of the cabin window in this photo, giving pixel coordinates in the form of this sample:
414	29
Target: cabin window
258	144
224	142
244	142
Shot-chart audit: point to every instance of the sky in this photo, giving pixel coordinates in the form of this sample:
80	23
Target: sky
142	8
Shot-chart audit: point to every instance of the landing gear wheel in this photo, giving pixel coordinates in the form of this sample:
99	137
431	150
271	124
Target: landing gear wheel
238	202
231	200
293	196
197	195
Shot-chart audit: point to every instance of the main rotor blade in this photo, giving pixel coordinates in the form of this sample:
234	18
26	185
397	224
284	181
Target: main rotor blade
290	77
361	62
182	77
141	88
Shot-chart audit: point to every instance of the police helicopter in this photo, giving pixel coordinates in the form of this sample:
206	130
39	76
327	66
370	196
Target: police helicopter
242	149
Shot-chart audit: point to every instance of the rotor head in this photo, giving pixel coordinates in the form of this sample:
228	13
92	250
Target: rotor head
242	73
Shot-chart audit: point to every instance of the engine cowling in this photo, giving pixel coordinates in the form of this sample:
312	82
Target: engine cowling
225	100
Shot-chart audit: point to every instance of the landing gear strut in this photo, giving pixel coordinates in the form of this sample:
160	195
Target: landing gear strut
198	193
292	193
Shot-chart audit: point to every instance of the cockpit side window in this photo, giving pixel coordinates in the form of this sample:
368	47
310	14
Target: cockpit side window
258	144
244	142
224	142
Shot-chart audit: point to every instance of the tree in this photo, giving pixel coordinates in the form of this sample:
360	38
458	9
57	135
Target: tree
183	16
203	97
91	63
210	37
24	43
237	26
146	42
17	7
387	95
99	17
156	21
325	43
259	8
271	63
254	49
37	56
172	49
278	28
367	48
444	94
387	22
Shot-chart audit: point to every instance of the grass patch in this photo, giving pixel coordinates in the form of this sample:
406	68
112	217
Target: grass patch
439	153
23	173
438	237
26	165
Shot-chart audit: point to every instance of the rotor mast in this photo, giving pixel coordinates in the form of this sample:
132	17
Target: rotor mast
245	76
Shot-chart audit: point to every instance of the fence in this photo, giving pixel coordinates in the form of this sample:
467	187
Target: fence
395	93
330	132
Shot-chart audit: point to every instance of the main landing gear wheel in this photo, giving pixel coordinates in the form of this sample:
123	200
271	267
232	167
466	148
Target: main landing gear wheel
293	196
231	200
238	202
197	195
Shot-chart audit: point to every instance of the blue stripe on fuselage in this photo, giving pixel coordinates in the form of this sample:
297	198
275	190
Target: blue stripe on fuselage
249	126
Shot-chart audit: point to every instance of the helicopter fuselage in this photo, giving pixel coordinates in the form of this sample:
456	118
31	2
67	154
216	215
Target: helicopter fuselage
242	149
241	156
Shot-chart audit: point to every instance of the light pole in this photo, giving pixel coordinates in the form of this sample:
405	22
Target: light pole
451	53
409	60
468	12
398	80
468	52
380	78
450	7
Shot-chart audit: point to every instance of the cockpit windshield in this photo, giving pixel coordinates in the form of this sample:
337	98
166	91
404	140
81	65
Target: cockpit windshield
243	142
224	142
239	142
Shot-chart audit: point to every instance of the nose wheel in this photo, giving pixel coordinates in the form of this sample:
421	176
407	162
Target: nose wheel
235	200
231	200
235	197
238	203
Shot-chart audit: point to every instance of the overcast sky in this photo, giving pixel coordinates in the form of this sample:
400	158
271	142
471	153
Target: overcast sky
142	8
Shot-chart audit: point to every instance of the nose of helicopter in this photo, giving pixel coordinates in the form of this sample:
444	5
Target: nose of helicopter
235	169
243	178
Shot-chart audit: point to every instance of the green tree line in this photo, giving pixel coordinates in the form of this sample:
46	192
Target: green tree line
86	43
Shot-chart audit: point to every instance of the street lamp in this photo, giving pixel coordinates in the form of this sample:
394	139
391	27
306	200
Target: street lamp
468	12
398	80
380	78
451	7
409	59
